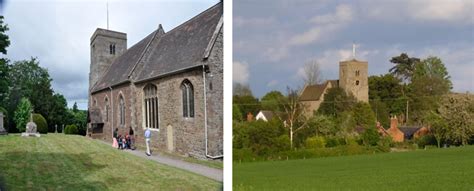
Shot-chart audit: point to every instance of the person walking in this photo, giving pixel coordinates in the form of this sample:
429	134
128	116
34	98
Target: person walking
147	141
132	139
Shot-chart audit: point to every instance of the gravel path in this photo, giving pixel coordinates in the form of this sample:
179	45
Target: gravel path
213	173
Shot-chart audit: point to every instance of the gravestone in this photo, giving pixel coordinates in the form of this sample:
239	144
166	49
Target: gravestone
2	129
30	129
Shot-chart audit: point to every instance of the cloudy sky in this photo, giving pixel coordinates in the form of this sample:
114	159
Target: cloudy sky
58	32
274	38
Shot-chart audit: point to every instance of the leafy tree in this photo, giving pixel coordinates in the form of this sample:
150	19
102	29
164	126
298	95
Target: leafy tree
236	113
22	114
41	124
71	129
317	125
4	39
438	126
388	90
315	142
363	115
263	136
381	112
247	104
336	101
430	81
404	66
242	90
74	108
458	112
370	137
271	101
79	118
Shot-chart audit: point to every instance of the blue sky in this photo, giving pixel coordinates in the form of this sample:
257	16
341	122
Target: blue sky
274	38
58	32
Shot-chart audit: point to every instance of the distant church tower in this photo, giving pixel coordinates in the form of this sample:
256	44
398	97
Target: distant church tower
353	77
106	45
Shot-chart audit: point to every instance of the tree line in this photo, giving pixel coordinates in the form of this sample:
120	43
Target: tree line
25	87
417	91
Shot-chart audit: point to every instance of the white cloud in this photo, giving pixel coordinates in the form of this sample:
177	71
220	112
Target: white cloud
240	72
452	11
252	22
325	25
276	54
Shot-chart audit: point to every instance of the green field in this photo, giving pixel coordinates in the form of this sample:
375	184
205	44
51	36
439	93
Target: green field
437	169
69	162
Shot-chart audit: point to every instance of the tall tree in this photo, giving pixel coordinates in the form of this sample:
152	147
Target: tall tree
22	114
241	89
437	125
293	113
271	101
312	73
404	66
336	101
4	82
388	90
363	115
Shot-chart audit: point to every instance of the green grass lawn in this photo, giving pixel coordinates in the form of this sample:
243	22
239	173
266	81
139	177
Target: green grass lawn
437	169
68	162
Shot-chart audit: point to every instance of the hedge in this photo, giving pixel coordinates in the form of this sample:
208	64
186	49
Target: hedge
41	124
71	129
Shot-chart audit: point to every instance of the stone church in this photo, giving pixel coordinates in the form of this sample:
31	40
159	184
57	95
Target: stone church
170	82
353	78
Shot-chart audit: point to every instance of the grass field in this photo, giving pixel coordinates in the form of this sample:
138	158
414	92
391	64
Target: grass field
67	162
437	169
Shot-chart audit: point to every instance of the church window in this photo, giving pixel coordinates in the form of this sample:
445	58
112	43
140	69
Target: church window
122	110
151	106
357	72
357	82
112	49
188	98
106	109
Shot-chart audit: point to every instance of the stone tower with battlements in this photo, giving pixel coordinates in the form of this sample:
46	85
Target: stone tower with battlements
353	77
106	45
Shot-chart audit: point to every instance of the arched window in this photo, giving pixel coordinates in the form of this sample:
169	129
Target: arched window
106	109
122	110
110	48
151	106
188	98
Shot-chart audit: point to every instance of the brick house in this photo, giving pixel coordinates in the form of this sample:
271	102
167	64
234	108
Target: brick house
170	82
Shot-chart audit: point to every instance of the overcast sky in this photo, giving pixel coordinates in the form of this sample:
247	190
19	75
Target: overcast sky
58	32
274	38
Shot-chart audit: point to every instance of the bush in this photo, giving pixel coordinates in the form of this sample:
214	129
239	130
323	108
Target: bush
384	144
370	137
41	124
315	142
71	129
426	140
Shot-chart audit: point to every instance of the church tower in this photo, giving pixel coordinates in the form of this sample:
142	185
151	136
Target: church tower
106	45
353	77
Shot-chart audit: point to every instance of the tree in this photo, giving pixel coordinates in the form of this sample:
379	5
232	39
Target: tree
363	115
22	114
41	124
336	101
4	82
74	108
312	73
430	81
293	113
438	126
242	90
236	113
271	101
58	114
4	39
370	137
247	104
404	66
387	89
458	112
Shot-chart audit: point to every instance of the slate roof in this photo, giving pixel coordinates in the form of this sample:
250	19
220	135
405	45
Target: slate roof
160	53
409	131
314	92
182	47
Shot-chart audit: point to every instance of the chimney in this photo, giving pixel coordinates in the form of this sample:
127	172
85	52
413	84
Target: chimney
393	122
249	117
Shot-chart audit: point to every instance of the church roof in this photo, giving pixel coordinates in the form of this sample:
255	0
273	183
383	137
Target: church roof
314	92
162	53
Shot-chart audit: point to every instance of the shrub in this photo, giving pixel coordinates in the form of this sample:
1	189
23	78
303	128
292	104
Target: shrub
370	137
41	124
334	141
22	114
71	129
315	142
426	140
282	143
384	144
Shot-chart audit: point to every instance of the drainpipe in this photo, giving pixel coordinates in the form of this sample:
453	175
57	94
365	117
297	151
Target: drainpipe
205	114
112	114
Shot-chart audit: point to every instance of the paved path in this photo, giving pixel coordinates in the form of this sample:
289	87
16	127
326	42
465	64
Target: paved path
206	171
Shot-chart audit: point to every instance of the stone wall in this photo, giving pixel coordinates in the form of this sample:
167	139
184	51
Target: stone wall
348	78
